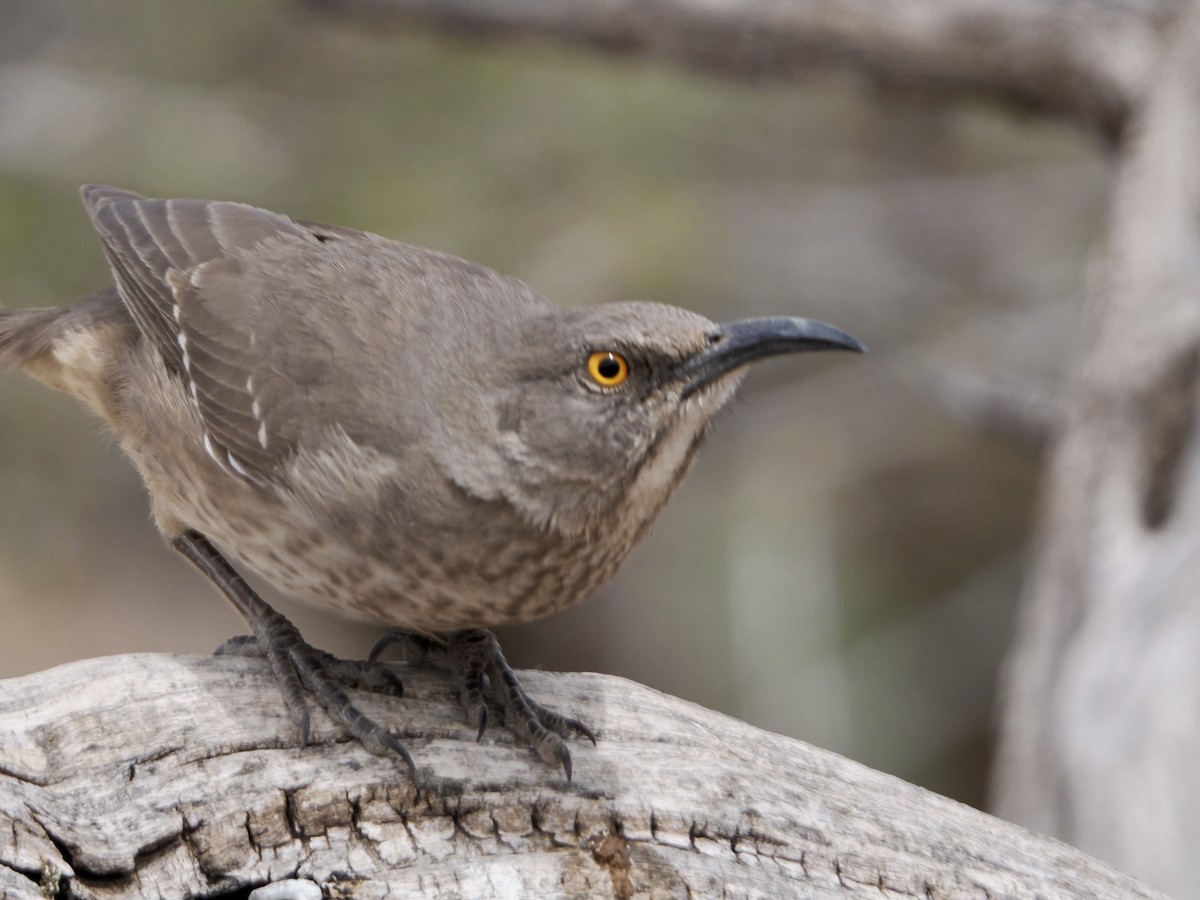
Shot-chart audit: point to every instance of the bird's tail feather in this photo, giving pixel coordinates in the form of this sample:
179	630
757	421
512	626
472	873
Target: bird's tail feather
26	334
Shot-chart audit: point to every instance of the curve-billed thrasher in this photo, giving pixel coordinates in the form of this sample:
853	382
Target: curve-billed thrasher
384	430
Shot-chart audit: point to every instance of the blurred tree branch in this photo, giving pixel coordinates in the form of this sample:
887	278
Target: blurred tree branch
180	776
1087	60
1024	414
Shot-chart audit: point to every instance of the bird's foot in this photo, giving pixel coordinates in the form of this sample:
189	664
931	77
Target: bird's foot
297	665
475	659
355	674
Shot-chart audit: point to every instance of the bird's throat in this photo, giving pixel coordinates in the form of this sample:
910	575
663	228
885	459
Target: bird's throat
669	459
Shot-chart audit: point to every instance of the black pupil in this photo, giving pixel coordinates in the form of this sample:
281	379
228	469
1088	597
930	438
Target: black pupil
609	367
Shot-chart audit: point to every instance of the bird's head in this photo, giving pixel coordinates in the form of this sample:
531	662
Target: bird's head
598	410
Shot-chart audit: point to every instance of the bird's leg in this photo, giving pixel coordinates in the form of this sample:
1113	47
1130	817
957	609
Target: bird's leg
296	663
475	658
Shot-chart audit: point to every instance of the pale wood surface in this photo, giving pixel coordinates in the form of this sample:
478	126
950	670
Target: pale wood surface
150	775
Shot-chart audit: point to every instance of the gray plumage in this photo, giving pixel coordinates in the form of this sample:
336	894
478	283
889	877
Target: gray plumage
387	430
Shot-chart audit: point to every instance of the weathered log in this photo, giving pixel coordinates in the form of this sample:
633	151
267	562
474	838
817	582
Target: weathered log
155	775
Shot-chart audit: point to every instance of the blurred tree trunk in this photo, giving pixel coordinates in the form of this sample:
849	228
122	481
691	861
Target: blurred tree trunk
1101	730
1101	711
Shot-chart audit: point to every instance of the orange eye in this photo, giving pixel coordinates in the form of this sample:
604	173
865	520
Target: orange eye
607	369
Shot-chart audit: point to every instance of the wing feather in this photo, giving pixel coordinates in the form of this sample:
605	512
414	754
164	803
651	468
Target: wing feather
178	268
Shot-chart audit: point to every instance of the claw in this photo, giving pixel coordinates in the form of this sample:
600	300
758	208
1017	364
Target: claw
560	724
398	684
384	641
579	728
393	743
565	724
564	758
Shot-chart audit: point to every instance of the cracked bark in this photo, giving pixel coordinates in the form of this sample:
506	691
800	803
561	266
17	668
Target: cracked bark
152	775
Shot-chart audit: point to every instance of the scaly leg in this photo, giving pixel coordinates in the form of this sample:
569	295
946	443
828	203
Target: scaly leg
296	664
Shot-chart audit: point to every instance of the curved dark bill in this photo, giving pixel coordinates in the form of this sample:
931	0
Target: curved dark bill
736	344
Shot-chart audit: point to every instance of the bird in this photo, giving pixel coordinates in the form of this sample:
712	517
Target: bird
386	431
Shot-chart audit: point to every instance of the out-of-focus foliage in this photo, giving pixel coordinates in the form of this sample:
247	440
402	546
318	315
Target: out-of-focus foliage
844	562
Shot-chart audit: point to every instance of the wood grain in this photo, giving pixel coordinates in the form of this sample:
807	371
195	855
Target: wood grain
149	775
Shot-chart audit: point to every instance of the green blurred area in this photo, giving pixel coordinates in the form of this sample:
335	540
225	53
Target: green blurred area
844	562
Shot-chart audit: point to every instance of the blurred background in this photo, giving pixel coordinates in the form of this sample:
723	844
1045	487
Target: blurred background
844	562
